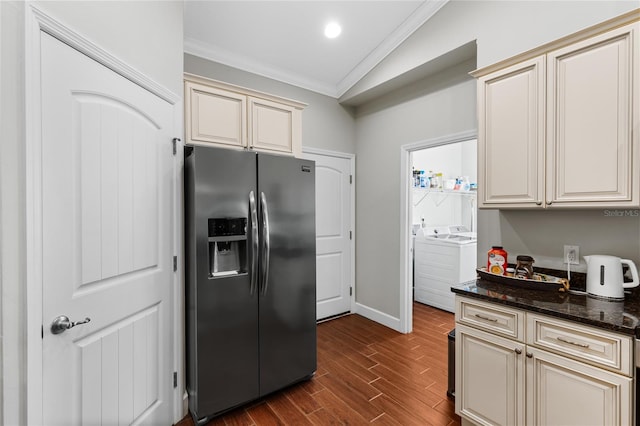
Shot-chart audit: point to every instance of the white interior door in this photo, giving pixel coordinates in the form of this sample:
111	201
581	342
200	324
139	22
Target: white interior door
107	168
333	225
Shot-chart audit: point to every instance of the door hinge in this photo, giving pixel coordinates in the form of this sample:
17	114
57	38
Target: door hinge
175	379
175	263
350	235
350	179
350	291
175	145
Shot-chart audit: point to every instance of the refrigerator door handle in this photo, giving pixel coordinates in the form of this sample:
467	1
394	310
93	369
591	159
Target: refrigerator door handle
266	247
254	242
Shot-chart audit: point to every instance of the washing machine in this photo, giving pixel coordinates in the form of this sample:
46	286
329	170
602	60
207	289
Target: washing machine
444	256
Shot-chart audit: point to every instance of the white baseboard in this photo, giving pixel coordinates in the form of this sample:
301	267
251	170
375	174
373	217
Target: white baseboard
185	404
379	317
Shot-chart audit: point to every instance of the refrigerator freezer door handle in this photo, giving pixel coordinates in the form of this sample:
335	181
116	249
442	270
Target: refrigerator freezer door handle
266	249
254	242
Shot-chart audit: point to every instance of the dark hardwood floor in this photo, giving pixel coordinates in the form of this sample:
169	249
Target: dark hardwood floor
367	373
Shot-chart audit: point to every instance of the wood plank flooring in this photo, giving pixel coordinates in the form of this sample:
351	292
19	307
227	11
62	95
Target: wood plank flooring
367	373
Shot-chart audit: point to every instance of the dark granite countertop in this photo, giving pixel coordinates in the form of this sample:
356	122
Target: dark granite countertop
621	317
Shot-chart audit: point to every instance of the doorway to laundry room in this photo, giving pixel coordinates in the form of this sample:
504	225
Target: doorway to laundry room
443	211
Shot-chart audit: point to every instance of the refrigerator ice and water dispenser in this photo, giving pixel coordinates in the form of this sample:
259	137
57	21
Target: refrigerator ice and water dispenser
227	246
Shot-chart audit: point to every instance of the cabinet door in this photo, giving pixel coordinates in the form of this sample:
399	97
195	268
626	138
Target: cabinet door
215	116
592	89
489	378
561	391
273	126
511	136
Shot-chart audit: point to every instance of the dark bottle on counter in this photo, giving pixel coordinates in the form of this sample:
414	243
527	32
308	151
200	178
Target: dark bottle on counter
524	267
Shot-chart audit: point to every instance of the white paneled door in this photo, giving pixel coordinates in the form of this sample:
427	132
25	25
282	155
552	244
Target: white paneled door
107	168
333	226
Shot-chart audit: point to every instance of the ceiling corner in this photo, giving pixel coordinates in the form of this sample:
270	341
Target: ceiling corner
404	31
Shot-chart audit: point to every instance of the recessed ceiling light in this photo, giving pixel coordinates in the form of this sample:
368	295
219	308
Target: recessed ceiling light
332	30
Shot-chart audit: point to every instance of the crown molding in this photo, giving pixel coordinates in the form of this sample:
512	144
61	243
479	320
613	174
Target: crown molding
245	63
408	27
421	15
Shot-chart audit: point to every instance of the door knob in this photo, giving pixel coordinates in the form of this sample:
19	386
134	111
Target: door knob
62	323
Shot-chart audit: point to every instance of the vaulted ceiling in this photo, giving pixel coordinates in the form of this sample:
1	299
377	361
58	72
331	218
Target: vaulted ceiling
285	41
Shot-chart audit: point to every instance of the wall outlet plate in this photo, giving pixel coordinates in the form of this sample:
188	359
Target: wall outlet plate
571	255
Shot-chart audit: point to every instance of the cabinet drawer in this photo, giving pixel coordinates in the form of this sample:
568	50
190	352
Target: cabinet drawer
588	344
491	317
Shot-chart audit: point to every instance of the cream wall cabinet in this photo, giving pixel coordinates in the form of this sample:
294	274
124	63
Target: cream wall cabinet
234	117
511	135
274	126
561	128
215	116
554	372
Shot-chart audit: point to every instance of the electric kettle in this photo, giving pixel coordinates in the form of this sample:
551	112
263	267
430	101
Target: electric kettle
604	276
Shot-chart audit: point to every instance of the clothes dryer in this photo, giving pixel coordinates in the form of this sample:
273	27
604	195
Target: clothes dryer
445	256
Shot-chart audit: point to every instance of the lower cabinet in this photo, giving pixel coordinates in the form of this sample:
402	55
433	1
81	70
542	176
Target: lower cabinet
490	385
561	391
504	381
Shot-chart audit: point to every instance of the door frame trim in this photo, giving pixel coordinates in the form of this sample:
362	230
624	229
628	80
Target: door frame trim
352	211
406	270
37	21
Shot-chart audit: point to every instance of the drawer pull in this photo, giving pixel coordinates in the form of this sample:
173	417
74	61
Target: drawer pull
582	345
486	318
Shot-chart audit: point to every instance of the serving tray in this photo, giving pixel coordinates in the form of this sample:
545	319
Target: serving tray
540	281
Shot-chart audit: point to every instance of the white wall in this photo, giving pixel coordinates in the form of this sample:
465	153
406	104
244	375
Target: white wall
145	34
543	234
500	28
452	160
325	123
12	236
426	110
446	106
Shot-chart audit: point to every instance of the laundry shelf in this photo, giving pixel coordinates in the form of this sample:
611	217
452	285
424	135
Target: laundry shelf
441	194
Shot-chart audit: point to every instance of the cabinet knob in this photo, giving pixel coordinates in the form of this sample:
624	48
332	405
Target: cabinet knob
529	355
549	203
538	203
518	351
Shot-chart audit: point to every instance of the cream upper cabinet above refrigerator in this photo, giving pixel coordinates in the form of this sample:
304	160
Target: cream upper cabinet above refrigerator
559	126
215	116
235	117
274	126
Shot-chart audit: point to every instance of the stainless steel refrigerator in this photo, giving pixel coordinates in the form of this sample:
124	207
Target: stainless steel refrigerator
250	276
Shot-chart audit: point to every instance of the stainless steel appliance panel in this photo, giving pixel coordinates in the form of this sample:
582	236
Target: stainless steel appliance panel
286	189
222	312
